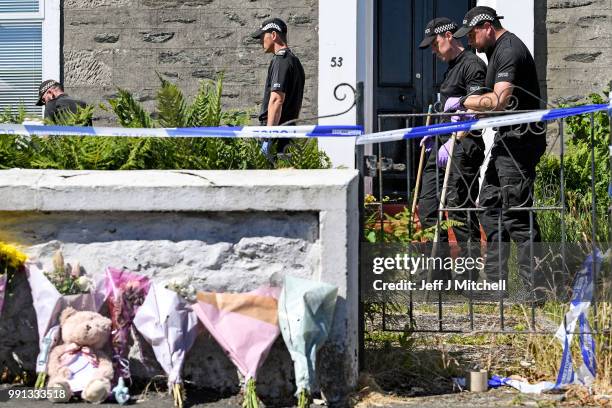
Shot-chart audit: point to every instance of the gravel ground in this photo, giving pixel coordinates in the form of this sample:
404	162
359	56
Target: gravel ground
153	400
493	398
503	397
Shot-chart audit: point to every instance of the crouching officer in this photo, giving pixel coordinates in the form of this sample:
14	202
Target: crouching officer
465	75
51	95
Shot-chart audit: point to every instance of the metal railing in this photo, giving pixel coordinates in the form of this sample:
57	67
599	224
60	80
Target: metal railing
404	315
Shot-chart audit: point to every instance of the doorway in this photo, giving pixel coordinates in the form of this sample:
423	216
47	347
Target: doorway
406	80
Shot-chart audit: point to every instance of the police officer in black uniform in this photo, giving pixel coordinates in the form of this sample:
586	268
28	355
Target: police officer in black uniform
284	89
512	83
465	75
51	95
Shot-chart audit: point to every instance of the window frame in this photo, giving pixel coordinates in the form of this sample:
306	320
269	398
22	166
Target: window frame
40	15
48	15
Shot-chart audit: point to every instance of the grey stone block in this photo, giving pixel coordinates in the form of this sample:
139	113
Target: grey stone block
569	4
106	38
157	37
108	19
591	20
583	57
82	68
170	4
299	19
179	17
183	57
235	18
87	4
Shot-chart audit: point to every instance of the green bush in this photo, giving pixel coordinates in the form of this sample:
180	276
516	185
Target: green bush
577	177
172	110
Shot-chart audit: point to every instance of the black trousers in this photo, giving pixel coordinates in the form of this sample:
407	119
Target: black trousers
462	192
508	182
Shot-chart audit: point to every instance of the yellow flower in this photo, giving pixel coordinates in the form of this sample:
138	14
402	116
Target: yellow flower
15	258
369	198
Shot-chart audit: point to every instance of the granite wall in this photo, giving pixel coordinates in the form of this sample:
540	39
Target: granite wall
124	43
573	47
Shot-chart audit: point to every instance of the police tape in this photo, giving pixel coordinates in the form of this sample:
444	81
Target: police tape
478	124
263	132
582	295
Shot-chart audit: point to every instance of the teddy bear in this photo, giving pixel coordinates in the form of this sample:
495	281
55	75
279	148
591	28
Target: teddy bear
80	364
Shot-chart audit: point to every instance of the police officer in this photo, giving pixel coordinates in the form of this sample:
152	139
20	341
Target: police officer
284	89
464	75
51	95
508	182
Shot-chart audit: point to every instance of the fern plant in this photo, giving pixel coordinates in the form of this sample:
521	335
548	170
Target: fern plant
126	153
304	154
173	110
171	105
9	116
129	113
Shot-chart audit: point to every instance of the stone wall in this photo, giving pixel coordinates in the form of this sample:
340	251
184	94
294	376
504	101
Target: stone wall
123	43
230	231
573	47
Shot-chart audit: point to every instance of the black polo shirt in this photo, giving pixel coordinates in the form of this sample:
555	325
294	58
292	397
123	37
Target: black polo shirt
511	61
465	75
285	74
62	103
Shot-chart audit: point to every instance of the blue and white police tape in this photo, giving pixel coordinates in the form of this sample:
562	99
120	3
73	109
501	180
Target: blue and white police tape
263	132
523	386
579	307
582	295
469	125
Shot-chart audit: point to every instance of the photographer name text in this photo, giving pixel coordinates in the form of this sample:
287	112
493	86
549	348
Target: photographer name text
441	284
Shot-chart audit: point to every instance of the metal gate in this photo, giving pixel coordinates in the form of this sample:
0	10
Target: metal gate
457	313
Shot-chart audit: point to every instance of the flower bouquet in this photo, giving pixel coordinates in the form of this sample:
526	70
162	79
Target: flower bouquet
53	289
305	315
168	323
126	292
11	261
245	325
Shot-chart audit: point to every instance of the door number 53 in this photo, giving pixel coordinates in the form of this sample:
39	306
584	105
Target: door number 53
336	62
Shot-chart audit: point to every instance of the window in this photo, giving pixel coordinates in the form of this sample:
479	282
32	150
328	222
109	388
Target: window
18	7
24	26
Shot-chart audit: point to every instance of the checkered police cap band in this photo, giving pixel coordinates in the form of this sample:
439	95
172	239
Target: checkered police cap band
480	18
47	86
270	26
442	29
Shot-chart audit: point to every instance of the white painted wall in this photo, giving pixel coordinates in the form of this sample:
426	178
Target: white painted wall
269	223
338	38
518	19
51	40
345	30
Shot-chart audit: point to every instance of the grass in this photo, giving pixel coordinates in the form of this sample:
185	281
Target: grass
546	351
399	360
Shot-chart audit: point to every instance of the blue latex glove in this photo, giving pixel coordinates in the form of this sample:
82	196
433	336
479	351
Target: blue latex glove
452	104
428	142
443	153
